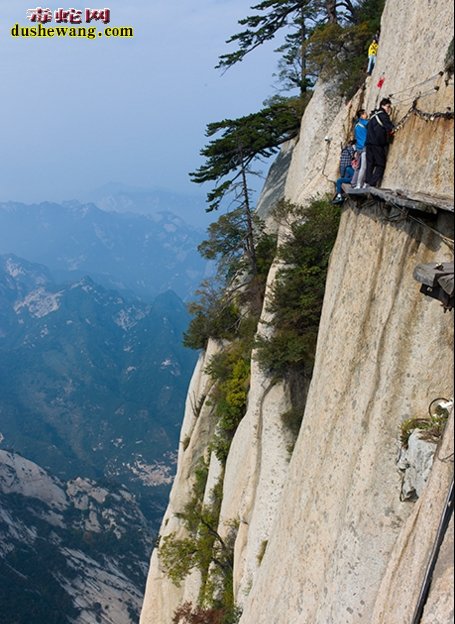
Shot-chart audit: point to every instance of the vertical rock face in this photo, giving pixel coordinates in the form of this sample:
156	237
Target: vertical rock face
256	472
397	596
383	354
325	538
162	596
275	183
415	37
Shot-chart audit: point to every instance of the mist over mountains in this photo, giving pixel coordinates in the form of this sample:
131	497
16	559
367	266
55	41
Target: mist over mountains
118	197
93	379
135	254
90	384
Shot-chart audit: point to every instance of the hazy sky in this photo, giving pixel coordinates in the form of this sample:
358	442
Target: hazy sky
79	113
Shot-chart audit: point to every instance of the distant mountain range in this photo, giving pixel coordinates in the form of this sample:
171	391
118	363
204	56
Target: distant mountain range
93	380
118	197
92	390
134	254
91	384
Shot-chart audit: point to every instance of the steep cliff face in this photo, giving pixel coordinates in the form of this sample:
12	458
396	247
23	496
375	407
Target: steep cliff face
323	536
383	354
162	595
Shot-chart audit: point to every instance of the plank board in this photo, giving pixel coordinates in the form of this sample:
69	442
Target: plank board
413	201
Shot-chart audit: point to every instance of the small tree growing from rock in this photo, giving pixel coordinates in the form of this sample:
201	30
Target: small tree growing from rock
187	615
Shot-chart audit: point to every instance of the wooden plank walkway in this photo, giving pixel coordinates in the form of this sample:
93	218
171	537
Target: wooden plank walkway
411	201
437	281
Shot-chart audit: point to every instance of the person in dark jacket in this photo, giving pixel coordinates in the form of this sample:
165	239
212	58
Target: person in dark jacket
380	129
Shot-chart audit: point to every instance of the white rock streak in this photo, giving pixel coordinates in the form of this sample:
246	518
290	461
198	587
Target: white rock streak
39	303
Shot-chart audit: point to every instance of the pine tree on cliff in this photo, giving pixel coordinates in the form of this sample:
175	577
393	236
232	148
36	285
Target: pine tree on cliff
339	27
299	16
229	158
271	17
237	241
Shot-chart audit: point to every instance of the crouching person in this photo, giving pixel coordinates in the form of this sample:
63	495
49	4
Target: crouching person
349	162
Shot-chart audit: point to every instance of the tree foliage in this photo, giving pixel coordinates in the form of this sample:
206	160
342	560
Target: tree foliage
298	293
187	614
215	315
230	369
337	30
229	245
203	545
203	548
338	52
273	15
220	308
240	141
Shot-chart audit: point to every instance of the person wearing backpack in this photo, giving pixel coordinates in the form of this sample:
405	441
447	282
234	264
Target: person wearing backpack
380	129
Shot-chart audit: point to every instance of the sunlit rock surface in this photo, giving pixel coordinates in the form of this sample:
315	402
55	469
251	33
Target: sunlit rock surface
327	539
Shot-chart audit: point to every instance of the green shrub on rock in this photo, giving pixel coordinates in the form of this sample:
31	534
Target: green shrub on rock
230	369
297	296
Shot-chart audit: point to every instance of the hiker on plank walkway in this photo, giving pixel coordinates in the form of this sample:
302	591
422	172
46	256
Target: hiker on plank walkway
380	130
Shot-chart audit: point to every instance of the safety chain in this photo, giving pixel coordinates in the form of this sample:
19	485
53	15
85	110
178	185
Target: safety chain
412	98
449	114
418	84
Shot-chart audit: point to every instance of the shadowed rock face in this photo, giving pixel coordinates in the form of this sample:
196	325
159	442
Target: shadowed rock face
339	541
273	190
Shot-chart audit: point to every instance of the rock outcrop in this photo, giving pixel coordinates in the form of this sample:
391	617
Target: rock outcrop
65	543
324	536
